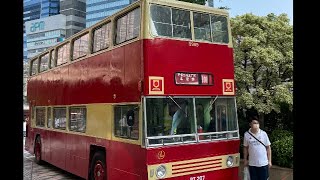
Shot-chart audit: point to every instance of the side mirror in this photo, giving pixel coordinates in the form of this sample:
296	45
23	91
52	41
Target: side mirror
130	117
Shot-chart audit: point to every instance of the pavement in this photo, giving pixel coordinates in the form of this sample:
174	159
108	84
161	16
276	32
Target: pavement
275	172
45	171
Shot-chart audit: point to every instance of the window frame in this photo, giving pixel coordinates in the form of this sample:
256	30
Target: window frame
191	24
115	119
49	116
229	135
53	118
40	58
57	53
85	122
31	66
115	23
73	48
110	36
52	62
171	21
211	27
36	117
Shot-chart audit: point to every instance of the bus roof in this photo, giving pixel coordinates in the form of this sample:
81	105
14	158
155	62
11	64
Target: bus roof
174	3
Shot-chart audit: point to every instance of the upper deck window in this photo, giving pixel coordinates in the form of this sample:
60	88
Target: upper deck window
52	62
63	54
170	22
101	37
212	28
80	46
219	26
128	26
44	62
202	28
34	66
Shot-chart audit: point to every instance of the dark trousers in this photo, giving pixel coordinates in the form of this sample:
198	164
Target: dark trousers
259	173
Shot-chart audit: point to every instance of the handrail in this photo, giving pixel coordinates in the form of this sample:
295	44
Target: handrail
178	139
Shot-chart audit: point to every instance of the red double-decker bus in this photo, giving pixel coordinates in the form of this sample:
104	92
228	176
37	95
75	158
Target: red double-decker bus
147	93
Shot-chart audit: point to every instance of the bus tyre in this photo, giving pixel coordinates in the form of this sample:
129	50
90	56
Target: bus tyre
37	150
98	167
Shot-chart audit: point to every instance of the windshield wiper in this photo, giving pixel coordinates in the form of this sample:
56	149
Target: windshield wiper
178	106
211	103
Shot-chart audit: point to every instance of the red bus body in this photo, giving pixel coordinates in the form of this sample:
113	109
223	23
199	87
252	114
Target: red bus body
121	75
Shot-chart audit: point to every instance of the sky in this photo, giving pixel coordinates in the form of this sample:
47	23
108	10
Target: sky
258	7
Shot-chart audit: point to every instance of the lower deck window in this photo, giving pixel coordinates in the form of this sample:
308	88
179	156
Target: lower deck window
77	119
59	118
122	128
40	116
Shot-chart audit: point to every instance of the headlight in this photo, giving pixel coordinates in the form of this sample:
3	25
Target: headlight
230	161
161	171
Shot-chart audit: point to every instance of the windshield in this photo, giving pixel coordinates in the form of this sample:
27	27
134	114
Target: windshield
170	116
174	119
216	115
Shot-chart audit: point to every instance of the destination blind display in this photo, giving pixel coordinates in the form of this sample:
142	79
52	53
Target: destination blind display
202	79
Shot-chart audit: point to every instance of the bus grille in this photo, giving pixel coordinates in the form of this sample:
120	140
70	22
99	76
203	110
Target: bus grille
196	166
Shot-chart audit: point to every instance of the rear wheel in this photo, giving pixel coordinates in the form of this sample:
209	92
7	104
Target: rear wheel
98	167
37	150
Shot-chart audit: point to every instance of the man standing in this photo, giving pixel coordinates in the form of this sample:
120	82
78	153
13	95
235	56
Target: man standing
256	144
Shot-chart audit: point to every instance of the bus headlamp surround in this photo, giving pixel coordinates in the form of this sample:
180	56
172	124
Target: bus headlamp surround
230	161
161	171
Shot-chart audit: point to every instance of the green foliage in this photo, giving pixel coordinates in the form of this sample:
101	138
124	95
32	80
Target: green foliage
282	147
278	134
202	2
263	48
282	151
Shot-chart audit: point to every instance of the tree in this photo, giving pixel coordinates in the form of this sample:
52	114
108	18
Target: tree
263	49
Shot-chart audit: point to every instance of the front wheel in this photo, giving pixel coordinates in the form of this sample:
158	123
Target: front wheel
37	150
98	167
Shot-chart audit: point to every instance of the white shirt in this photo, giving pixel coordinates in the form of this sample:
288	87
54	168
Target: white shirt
257	152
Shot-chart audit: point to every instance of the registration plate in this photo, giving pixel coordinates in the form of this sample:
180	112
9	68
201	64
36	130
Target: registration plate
197	178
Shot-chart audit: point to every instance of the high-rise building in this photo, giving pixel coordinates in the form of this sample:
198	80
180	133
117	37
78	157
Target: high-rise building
36	9
75	14
44	33
75	11
210	3
99	9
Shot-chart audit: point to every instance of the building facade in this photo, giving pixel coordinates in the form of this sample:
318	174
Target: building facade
210	3
36	9
99	9
75	11
44	33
